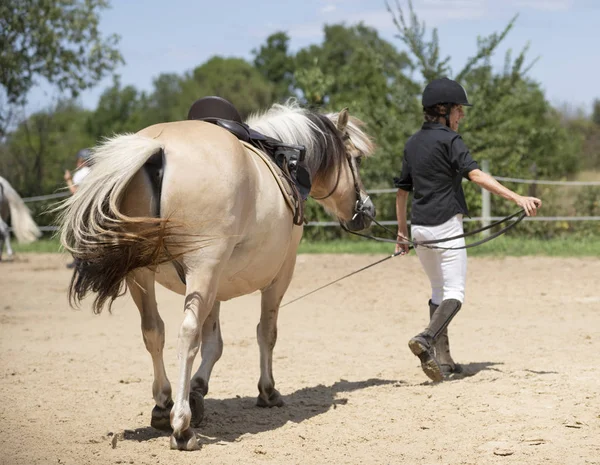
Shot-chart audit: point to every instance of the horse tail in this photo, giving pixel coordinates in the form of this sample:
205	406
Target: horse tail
23	226
106	243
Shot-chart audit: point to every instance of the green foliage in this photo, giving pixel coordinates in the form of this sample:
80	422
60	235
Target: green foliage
512	125
37	153
596	112
501	247
120	109
276	65
231	78
355	68
57	40
589	131
413	34
509	245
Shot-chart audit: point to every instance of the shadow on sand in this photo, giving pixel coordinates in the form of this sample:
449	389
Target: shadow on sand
228	419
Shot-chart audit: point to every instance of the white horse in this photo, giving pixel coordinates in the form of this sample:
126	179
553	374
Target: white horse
190	206
11	205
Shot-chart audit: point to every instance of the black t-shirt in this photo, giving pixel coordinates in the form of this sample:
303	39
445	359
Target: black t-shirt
434	163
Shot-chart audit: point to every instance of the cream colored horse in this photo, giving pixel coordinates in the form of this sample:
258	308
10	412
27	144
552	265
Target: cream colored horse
217	221
23	225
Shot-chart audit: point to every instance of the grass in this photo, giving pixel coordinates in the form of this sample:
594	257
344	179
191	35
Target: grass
501	246
44	245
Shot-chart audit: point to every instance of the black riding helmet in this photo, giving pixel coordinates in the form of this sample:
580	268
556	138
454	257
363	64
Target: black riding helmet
444	90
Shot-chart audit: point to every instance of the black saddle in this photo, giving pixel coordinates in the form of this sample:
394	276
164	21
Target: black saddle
289	157
214	107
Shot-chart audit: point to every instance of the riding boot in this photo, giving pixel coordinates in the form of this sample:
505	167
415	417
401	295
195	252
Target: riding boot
441	348
422	344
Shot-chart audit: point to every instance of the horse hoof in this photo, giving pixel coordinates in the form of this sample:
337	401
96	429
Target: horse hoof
161	417
186	440
197	408
274	400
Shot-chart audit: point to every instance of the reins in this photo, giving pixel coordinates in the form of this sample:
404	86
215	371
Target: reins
429	244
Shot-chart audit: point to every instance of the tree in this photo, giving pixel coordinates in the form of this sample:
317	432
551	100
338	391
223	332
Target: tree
119	110
276	64
231	78
43	146
596	112
511	123
166	101
57	40
356	68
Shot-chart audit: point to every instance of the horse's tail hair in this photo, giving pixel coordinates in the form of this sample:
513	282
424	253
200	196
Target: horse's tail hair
105	243
23	225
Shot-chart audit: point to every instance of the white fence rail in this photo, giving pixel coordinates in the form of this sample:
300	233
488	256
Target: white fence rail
486	215
485	219
38	198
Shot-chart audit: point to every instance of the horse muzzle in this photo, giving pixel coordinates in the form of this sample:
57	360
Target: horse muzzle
364	213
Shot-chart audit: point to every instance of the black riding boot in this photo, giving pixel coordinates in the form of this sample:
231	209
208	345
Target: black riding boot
441	348
422	345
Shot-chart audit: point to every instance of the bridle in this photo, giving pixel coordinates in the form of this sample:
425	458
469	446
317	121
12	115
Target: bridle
359	206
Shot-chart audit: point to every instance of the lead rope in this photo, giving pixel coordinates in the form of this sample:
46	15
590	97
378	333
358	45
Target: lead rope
520	214
339	279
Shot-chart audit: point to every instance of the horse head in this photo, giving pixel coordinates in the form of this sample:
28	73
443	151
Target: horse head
337	185
335	146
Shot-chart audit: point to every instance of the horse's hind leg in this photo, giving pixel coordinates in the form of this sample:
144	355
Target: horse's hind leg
199	300
266	333
211	350
141	286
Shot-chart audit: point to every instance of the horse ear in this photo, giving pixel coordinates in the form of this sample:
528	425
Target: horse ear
342	120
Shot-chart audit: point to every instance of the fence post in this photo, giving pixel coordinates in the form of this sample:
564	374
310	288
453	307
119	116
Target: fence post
486	207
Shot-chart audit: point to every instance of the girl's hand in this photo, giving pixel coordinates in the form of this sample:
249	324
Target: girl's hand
403	249
529	204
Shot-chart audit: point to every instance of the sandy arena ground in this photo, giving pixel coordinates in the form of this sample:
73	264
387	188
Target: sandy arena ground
529	335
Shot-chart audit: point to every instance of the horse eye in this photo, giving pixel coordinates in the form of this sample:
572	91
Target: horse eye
359	161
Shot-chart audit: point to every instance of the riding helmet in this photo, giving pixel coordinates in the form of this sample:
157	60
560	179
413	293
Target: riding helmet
444	90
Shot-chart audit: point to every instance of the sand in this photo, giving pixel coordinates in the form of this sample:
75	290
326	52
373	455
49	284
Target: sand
76	387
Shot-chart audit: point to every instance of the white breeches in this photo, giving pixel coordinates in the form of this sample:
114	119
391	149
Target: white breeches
446	269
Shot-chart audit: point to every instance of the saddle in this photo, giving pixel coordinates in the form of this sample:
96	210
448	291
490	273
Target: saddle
288	158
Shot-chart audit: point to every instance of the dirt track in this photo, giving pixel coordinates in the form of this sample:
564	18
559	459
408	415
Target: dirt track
529	334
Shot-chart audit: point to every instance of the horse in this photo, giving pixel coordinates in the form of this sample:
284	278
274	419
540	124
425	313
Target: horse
187	205
24	227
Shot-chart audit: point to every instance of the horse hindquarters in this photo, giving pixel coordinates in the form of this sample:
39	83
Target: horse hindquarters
109	225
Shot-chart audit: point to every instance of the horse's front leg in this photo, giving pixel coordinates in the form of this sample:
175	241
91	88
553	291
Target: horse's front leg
141	287
200	296
211	350
5	236
266	333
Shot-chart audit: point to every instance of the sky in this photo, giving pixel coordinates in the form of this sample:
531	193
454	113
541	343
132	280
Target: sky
175	36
